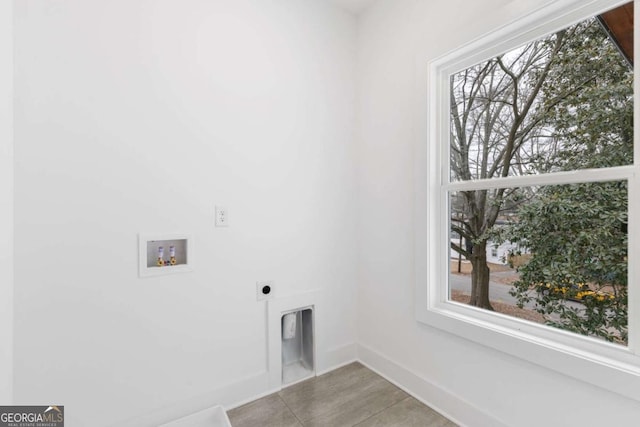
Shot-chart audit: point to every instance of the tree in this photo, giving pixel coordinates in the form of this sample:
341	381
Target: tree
496	131
577	234
578	241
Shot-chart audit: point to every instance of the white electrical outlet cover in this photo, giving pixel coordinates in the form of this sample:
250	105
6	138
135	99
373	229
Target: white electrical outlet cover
222	216
264	290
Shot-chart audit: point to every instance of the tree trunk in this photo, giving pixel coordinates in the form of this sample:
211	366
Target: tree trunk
480	277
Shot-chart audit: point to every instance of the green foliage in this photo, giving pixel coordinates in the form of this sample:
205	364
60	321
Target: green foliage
591	89
578	241
577	234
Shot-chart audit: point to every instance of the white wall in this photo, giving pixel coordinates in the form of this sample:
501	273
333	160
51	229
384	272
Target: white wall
6	202
464	379
140	116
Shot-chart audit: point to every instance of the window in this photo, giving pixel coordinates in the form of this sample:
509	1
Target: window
529	154
560	103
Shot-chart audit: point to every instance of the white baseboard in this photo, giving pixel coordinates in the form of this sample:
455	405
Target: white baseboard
338	357
444	401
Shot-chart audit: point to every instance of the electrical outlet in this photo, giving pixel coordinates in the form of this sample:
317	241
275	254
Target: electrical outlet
264	290
222	217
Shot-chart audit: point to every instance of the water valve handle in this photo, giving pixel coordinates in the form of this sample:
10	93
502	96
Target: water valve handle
160	256
172	255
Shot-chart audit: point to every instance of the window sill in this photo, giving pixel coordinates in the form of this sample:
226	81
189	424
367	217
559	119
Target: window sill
618	372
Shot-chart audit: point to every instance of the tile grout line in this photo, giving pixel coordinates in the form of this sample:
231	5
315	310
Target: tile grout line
374	406
375	375
290	410
316	378
381	411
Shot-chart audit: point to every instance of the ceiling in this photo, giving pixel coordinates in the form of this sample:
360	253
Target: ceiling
354	6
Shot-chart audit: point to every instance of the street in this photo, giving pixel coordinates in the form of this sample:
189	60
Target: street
498	292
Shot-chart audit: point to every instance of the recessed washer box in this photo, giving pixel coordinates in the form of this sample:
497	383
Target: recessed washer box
161	254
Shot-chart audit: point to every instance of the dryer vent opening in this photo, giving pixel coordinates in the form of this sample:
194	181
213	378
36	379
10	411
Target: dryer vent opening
297	345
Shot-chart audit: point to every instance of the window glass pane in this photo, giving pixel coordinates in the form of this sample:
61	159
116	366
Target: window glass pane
556	255
563	102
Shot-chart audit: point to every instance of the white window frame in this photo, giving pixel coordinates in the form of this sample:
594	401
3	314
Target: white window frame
610	366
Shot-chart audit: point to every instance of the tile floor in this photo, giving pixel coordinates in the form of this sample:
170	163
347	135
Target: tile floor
349	396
